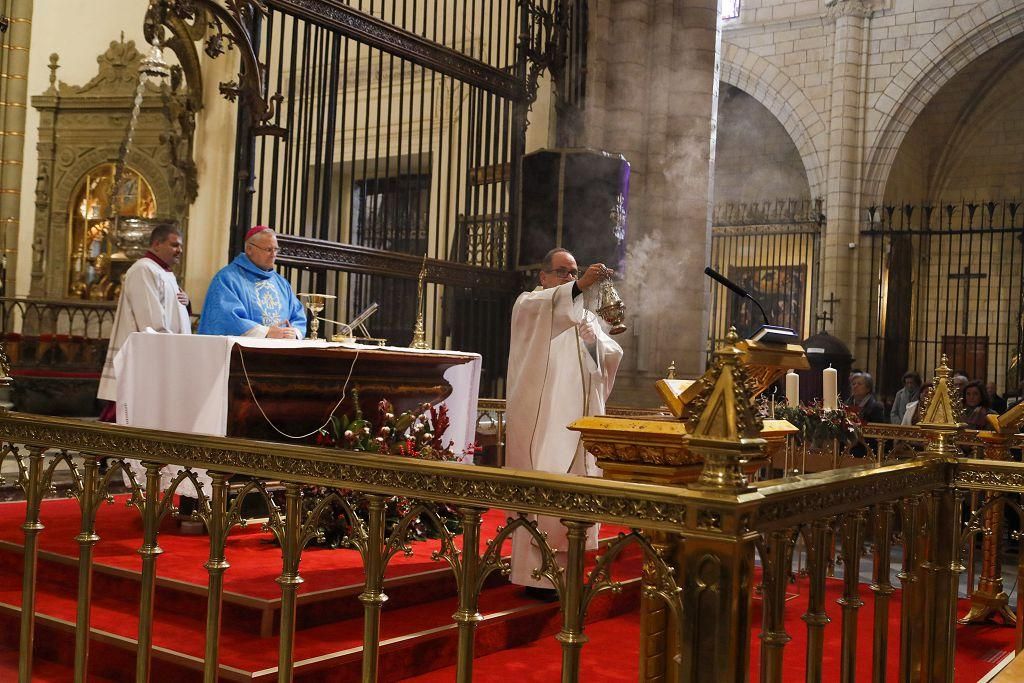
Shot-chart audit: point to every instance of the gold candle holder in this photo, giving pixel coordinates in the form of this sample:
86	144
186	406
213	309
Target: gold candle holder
419	336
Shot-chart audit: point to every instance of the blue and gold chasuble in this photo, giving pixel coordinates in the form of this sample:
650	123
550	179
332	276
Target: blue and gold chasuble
243	295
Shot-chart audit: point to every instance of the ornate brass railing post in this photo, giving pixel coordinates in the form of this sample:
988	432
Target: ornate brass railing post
217	525
468	614
815	617
943	424
5	373
850	602
989	599
373	596
882	587
910	625
657	624
571	636
777	560
150	551
34	486
291	552
717	566
88	503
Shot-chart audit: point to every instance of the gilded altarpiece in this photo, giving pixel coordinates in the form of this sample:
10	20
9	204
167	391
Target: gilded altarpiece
82	129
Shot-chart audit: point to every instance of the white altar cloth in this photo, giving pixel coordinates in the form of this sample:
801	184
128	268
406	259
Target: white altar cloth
179	383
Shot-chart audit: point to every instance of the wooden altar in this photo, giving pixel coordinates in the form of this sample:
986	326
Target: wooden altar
204	384
297	387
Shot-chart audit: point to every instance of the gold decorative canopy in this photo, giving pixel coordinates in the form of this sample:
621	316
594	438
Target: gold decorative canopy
763	364
712	413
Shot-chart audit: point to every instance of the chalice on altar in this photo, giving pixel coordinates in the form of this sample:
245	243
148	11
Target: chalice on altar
315	303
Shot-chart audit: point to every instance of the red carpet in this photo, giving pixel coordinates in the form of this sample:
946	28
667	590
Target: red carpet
255	560
978	647
510	620
325	628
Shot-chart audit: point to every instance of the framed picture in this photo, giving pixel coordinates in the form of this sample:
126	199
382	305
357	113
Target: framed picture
782	290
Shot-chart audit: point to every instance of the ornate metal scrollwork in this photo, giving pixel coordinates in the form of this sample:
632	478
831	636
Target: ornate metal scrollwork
543	47
228	26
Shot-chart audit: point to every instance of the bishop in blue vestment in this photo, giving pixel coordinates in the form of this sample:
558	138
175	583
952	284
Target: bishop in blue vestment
247	298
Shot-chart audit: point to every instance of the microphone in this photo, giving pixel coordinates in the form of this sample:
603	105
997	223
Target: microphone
767	333
723	280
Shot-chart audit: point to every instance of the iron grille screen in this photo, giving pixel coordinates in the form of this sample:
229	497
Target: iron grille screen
944	278
771	249
404	126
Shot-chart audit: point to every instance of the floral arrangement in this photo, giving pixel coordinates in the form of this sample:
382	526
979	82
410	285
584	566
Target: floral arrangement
819	427
412	434
417	433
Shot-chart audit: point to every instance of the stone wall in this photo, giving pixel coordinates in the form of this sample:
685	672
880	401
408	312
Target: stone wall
887	98
755	158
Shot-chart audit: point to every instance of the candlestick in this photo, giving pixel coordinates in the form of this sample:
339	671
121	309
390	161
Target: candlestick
419	337
792	389
830	388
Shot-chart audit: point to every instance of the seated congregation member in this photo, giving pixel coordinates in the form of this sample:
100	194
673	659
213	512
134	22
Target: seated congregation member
862	398
998	402
976	406
914	412
905	396
247	298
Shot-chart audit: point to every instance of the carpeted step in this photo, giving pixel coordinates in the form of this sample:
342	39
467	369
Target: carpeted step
42	671
416	626
610	655
410	636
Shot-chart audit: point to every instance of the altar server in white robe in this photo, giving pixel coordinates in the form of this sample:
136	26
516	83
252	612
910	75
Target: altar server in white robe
561	366
150	298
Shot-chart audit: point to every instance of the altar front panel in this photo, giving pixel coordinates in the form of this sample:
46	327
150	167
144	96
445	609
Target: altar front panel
203	384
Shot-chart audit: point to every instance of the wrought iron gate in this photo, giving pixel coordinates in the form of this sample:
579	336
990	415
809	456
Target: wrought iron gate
771	249
944	278
405	123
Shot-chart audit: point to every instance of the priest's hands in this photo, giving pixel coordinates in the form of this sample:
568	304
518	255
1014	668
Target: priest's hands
183	298
594	273
282	331
588	331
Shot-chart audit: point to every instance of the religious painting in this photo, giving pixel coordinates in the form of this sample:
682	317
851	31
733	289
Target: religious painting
781	290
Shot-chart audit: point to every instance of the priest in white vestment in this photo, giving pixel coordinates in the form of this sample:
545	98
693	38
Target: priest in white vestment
561	366
150	298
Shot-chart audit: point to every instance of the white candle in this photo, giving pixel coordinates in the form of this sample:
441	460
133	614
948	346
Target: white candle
792	389
830	389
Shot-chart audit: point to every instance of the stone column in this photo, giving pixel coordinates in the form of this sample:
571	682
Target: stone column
845	165
14	49
653	98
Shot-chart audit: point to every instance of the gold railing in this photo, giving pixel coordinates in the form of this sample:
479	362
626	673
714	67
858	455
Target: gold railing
706	582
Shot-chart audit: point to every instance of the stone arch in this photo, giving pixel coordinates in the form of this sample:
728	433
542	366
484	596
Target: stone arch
774	89
984	106
893	111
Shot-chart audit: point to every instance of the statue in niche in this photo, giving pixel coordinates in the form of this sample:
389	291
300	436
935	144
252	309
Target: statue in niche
103	289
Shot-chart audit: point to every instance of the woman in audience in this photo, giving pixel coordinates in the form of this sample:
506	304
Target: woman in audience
862	398
976	403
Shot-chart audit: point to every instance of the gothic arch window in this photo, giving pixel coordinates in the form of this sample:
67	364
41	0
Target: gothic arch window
730	9
97	262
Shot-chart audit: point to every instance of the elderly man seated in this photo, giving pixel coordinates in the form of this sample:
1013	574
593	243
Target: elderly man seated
247	298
